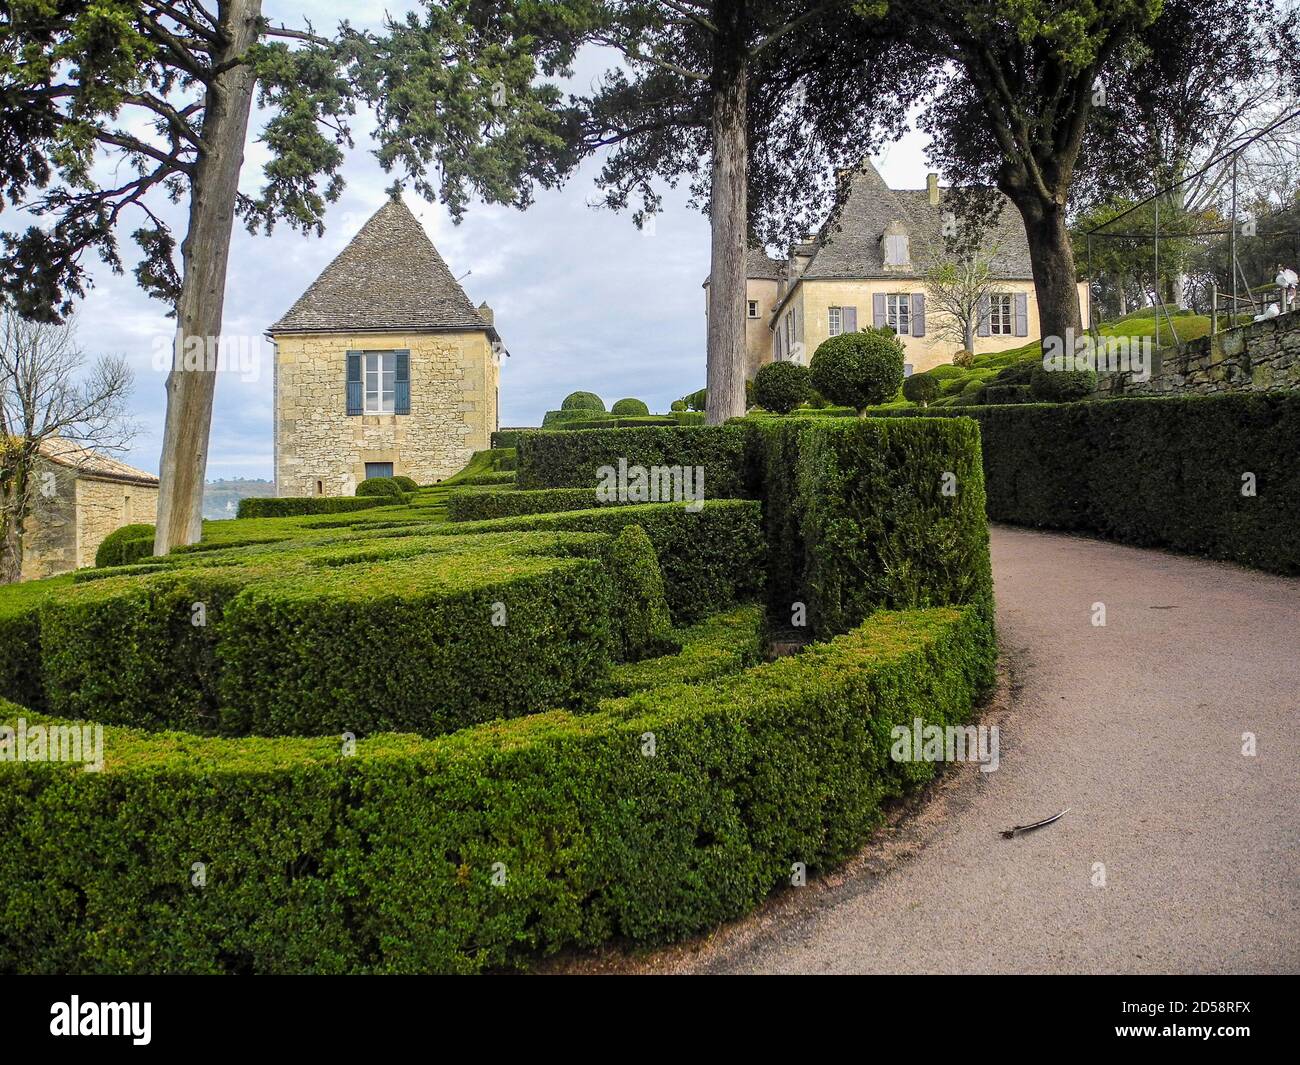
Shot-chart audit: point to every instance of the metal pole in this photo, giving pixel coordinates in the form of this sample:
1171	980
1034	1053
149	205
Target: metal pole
1232	244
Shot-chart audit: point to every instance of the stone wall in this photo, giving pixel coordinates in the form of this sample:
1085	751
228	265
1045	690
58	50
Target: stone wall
73	513
1258	357
322	450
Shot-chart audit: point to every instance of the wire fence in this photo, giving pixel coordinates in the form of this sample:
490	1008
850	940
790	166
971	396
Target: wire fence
1231	261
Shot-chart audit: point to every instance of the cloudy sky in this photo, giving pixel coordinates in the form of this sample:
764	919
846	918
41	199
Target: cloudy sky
582	298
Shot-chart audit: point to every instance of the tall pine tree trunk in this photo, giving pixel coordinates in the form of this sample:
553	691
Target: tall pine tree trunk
728	214
204	256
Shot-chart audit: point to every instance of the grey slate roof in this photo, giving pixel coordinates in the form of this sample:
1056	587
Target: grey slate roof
854	249
390	277
759	265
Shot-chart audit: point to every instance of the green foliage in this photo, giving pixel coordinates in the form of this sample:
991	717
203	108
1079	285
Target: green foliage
384	861
20	664
505	438
123	546
629	407
380	486
921	389
571	460
643	623
470	505
718	646
557	419
858	517
406	484
1152	472
610	422
709	559
858	369
1006	394
677	405
583	401
698	400
1061	386
285	506
781	386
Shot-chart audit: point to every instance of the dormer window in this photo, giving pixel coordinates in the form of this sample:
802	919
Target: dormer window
895	245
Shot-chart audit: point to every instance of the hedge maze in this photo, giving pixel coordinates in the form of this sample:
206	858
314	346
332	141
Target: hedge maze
455	728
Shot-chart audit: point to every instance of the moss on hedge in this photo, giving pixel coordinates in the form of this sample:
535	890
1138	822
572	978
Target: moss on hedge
657	817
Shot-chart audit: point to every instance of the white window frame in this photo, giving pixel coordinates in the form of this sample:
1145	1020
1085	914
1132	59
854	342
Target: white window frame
752	306
379	382
898	312
834	321
1002	314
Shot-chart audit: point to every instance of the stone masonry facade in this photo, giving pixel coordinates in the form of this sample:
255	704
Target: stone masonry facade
322	450
1261	356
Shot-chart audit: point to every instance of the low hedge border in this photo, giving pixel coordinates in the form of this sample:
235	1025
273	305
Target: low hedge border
480	849
288	506
724	643
421	634
1152	472
125	545
571	459
471	505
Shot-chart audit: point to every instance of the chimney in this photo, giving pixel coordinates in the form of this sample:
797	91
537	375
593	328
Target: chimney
932	188
486	313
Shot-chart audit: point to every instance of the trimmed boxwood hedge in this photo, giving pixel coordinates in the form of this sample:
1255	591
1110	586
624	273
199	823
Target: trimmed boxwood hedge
20	633
478	849
470	505
571	459
1156	472
858	518
362	635
709	559
719	645
289	506
380	486
123	546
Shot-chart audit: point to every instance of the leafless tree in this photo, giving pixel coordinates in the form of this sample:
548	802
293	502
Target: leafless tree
51	402
958	282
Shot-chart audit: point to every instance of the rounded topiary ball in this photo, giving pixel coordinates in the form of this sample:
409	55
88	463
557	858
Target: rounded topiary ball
583	401
630	407
859	370
1061	386
678	405
782	386
380	486
921	389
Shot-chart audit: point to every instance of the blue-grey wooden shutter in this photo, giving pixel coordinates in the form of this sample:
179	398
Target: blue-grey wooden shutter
878	317
1022	314
354	383
401	382
982	326
849	319
918	314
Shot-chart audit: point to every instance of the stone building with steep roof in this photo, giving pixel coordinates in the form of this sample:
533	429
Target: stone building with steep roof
383	367
80	497
869	268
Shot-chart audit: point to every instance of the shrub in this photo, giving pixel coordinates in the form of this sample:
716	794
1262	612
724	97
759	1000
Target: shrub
553	419
406	484
921	389
505	438
721	644
859	369
20	663
965	359
677	405
859	517
583	401
781	386
1006	394
698	400
384	861
571	460
643	625
287	506
629	407
709	559
123	546
380	486
1152	472
1061	386
499	477
610	422
470	505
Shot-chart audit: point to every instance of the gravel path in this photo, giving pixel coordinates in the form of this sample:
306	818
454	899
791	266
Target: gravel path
1137	727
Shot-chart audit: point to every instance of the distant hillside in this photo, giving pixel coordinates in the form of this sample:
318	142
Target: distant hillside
221	498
